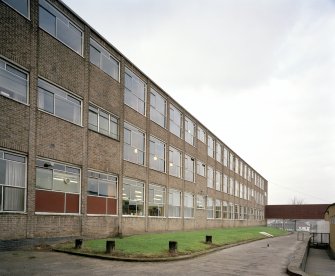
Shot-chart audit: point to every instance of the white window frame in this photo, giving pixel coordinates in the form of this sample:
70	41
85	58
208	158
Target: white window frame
135	131
210	177
210	146
105	53
201	168
174	110
154	157
3	185
173	204
4	93
59	16
153	107
61	93
28	9
189	169
134	183
156	188
188	198
134	94
171	163
218	152
218	181
190	129
201	134
111	116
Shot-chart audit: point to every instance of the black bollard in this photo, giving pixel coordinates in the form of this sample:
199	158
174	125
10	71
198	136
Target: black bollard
173	246
208	239
110	246
78	243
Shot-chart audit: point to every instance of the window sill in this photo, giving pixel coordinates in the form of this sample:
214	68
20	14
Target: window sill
57	214
157	217
132	216
175	217
101	215
13	212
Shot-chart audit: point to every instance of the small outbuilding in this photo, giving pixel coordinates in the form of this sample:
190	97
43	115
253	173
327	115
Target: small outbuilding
330	216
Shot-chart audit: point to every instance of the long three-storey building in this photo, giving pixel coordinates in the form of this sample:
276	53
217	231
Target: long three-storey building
91	146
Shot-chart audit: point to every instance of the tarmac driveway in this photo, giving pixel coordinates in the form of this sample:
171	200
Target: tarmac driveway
254	258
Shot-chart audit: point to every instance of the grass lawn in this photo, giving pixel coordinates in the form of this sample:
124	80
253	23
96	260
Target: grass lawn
156	245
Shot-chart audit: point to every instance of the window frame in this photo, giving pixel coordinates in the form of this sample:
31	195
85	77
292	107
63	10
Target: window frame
189	134
28	9
104	52
187	169
201	130
153	139
174	191
201	199
153	108
110	115
54	89
218	185
189	195
210	178
134	183
59	15
3	152
134	93
218	202
23	71
202	165
171	164
210	150
210	208
153	186
136	131
172	121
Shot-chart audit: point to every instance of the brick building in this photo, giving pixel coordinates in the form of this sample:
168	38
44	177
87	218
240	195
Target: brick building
90	146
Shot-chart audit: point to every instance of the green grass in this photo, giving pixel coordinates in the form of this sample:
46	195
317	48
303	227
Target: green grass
156	245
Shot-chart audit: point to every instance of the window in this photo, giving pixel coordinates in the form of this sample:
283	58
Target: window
12	182
157	108
156	201
100	57
57	187
236	211
210	146
231	186
103	122
189	131
241	190
134	92
59	26
101	193
134	144
210	177
188	205
132	197
58	102
218	152
175	165
200	202
237	189
231	161
174	203
13	82
218	180
201	135
218	209
225	184
225	157
157	154
245	171
241	168
175	121
189	168
225	210
201	168
21	6
231	210
236	165
210	208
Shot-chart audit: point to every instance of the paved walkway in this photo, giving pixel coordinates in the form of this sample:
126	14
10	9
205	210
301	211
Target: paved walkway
254	258
319	263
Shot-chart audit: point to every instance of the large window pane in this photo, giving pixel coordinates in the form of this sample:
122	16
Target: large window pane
156	206
132	197
134	145
22	6
13	82
135	90
55	23
13	199
175	121
157	154
43	178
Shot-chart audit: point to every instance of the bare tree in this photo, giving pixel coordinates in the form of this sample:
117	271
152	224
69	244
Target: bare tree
297	201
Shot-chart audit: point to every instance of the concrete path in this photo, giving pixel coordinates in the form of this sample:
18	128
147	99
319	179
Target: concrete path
319	263
254	258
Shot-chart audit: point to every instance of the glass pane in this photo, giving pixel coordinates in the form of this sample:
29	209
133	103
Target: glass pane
13	199
20	5
93	120
103	188
43	178
46	100
47	21
65	182
70	35
94	56
104	124
14	157
67	110
92	186
13	86
3	171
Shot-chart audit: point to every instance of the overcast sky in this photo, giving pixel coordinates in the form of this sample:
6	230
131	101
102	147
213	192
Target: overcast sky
266	69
